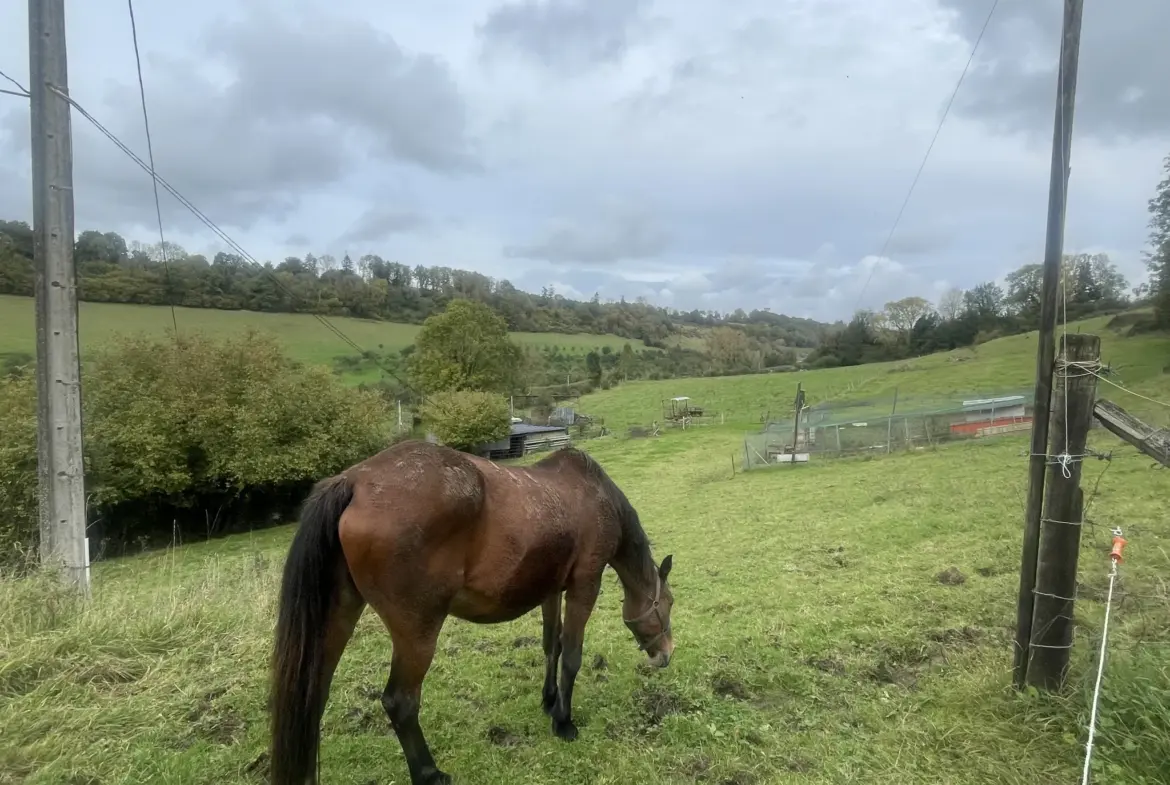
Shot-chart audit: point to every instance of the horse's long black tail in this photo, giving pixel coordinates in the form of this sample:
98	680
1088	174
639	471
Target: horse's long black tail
308	592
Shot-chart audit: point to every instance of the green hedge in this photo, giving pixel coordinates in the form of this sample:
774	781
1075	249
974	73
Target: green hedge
178	422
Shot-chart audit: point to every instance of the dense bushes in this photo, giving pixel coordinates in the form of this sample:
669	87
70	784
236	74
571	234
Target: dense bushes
187	425
464	419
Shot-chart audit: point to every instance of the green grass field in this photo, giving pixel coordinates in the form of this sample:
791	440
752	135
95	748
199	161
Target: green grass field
306	338
817	642
1007	364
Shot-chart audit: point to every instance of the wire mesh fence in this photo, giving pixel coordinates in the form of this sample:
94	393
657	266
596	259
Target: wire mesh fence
884	424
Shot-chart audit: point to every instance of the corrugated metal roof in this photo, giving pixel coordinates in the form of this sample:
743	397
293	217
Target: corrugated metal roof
521	428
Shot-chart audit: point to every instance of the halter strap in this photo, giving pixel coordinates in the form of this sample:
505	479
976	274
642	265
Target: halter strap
654	608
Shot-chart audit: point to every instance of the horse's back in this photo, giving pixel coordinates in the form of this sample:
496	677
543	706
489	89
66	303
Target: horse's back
498	539
413	512
536	531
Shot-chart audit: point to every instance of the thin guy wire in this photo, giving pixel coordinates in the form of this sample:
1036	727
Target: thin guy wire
13	92
239	249
162	240
1129	391
929	149
23	90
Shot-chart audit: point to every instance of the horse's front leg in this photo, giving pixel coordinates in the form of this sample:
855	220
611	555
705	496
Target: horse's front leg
580	598
551	611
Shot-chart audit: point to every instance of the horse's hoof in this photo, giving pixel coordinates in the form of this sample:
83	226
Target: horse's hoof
565	730
437	778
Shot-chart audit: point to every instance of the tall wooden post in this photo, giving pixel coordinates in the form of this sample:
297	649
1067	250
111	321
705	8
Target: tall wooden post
60	470
890	422
1060	541
1045	343
797	407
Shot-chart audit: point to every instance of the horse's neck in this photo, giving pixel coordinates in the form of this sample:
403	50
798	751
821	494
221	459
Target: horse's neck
636	570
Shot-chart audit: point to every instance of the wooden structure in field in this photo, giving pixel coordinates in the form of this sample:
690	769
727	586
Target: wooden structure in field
680	410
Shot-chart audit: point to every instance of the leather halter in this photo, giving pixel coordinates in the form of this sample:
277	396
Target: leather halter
654	608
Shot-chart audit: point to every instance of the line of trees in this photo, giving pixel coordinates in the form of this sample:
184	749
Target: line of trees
913	326
1158	257
112	270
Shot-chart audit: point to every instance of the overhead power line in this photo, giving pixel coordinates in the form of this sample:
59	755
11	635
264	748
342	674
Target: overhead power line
239	249
162	240
23	90
929	149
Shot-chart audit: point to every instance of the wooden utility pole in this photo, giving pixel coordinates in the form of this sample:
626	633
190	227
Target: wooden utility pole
60	469
1060	541
1070	45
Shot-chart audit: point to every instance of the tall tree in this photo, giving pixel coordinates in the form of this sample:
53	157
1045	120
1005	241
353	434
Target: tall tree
950	305
466	347
984	302
902	315
728	348
627	362
593	366
1158	257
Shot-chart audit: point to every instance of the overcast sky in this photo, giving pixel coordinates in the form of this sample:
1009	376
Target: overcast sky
744	153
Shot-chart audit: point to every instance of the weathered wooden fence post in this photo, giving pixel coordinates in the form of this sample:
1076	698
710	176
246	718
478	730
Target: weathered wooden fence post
1060	534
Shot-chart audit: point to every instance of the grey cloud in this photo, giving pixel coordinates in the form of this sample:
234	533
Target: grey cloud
293	120
351	75
378	223
608	238
1122	92
566	34
297	240
918	242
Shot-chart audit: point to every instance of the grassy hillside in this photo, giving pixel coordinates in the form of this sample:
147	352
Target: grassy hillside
1002	365
816	645
306	338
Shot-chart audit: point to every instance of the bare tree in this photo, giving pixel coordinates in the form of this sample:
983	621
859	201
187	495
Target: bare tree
902	315
950	305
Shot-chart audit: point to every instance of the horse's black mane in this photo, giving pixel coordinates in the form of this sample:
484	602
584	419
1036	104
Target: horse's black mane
634	543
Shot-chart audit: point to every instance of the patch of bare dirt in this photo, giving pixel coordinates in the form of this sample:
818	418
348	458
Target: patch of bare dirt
957	636
951	577
502	737
656	704
727	686
360	720
697	769
740	778
827	665
215	723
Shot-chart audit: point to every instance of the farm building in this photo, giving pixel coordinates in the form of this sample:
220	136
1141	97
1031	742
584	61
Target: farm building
988	416
525	439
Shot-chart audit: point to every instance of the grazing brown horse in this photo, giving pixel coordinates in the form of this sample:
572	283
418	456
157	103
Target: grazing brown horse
422	532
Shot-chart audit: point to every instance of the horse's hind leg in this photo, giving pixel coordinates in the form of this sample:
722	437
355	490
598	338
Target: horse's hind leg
551	611
414	648
579	601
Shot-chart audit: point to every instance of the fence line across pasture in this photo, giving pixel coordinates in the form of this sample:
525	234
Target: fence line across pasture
886	424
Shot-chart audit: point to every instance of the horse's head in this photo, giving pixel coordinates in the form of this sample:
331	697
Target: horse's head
648	618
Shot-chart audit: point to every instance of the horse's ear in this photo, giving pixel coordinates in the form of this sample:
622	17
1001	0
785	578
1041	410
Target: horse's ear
664	569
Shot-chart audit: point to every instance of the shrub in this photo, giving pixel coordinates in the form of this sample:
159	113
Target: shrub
466	419
18	467
179	422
